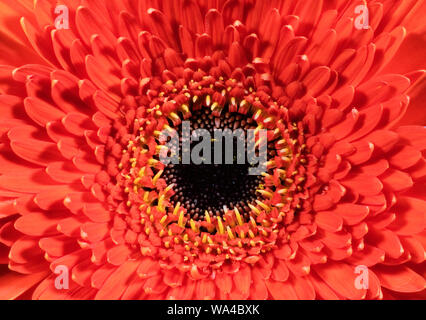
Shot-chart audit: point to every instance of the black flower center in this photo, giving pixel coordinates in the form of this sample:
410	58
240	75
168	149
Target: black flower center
211	187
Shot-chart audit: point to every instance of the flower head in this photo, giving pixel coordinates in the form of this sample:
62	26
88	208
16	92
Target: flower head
85	108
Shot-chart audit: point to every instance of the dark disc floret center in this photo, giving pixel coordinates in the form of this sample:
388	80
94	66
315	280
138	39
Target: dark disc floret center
214	187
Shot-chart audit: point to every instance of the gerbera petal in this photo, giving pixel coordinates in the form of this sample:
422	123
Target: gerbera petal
340	277
365	185
280	271
58	246
329	221
415	248
82	272
205	290
118	281
415	135
399	278
369	256
304	289
41	112
396	180
224	282
39	224
20	284
184	292
99	277
25	249
35	151
387	241
281	290
411	216
405	157
322	289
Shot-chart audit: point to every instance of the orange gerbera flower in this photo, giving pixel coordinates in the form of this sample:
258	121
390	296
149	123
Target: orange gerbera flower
87	87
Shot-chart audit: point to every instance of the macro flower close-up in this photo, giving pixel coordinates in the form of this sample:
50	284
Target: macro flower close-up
93	92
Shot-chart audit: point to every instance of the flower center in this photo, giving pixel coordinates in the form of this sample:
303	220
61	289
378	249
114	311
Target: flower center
221	184
196	206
